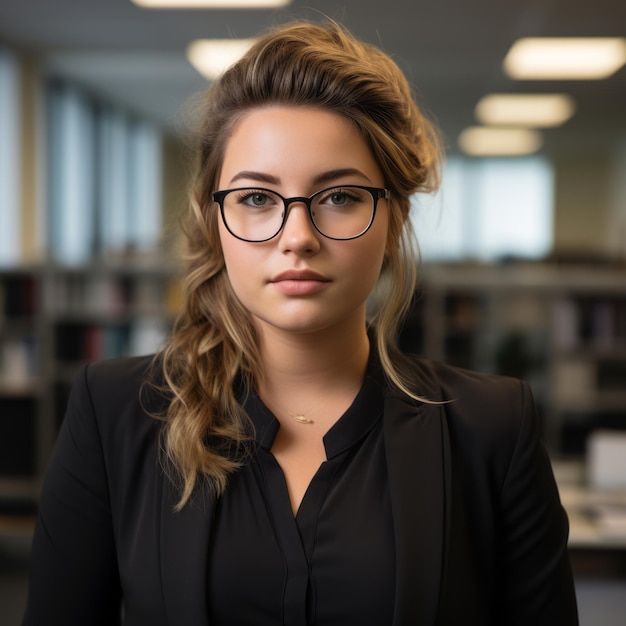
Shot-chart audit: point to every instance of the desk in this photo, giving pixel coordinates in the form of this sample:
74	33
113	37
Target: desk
597	517
597	541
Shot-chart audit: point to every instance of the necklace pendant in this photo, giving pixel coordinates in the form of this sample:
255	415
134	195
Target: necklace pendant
302	420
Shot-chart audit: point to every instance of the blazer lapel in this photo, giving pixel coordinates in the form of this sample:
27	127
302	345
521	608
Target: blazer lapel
416	446
184	552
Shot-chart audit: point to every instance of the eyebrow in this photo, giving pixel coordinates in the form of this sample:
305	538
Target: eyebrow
258	176
324	177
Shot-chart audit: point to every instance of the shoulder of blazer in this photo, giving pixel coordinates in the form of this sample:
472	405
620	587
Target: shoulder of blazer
122	378
489	422
435	377
120	396
491	406
124	371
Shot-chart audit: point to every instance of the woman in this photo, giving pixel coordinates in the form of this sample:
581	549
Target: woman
283	463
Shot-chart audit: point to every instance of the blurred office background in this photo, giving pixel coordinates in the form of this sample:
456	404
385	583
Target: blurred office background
524	248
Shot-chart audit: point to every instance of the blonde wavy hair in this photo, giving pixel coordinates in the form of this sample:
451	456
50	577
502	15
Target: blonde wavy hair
212	353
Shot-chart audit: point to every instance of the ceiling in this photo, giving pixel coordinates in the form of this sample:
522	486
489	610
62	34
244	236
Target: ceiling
451	50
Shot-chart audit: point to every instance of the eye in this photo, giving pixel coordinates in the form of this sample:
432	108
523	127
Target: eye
255	198
340	197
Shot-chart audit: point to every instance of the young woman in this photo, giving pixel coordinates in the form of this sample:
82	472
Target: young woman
280	462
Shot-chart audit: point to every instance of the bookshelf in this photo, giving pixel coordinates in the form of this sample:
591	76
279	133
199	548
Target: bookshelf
561	327
20	381
588	365
52	320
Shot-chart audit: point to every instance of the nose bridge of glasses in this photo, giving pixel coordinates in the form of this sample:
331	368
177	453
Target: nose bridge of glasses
288	202
296	200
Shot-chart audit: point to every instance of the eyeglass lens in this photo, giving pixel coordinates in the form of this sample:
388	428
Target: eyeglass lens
259	214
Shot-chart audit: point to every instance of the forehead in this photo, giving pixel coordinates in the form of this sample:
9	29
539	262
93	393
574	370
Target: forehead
296	143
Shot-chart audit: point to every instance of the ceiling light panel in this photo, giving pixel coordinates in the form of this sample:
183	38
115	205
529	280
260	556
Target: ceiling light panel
486	141
212	56
211	4
539	110
565	58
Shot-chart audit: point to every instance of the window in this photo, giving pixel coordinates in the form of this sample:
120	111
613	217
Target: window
70	175
10	171
104	178
487	210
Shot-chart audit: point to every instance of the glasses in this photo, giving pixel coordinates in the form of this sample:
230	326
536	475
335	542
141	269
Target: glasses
256	215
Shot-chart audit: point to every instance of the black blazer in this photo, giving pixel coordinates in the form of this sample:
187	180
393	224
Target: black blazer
479	530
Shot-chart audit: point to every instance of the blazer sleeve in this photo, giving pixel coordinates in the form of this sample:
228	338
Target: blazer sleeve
532	533
74	579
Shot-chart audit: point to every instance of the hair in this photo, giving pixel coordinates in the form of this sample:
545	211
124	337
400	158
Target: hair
213	350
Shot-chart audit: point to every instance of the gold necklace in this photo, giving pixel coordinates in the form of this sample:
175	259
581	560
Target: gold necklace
301	419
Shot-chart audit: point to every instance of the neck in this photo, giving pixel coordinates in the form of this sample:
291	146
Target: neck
299	369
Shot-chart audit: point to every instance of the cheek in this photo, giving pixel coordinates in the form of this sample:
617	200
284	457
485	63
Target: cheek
234	257
232	248
367	263
241	260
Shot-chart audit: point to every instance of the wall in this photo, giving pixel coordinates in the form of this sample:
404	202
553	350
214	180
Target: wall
33	220
616	231
590	197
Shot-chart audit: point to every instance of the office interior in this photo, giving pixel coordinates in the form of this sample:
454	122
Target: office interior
523	252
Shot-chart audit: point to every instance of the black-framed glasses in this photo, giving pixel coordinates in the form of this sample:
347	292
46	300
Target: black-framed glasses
255	214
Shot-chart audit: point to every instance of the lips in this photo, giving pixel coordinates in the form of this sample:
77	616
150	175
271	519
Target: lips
299	275
299	282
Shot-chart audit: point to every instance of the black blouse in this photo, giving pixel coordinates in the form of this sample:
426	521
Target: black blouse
334	563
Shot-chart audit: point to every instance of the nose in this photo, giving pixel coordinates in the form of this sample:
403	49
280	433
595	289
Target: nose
298	233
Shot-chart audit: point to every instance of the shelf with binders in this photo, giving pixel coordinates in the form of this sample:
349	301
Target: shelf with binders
587	368
590	323
18	442
477	325
19	293
589	350
444	325
463	340
113	290
22	337
561	328
53	319
20	362
106	311
19	328
20	340
587	392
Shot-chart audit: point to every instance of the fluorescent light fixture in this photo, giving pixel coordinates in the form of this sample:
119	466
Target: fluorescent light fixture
211	4
488	141
565	58
539	110
212	56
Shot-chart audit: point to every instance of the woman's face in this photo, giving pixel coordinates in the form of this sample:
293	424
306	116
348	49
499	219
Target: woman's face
300	281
